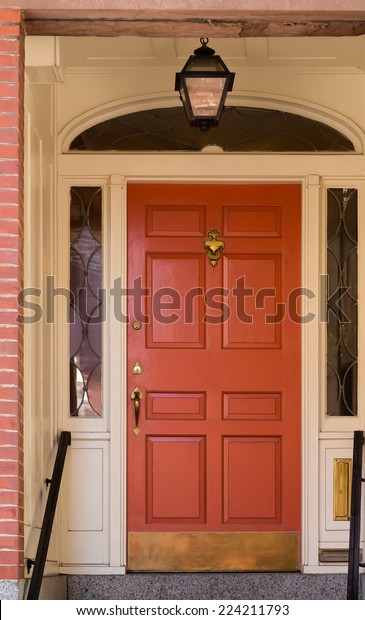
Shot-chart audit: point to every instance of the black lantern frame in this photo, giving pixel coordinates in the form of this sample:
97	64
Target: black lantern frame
203	84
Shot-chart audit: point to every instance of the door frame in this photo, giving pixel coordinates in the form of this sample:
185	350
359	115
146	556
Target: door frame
114	172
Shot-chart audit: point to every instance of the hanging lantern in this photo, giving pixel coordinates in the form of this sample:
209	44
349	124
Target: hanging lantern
203	84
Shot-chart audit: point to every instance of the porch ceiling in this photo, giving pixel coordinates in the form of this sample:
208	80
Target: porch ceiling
126	54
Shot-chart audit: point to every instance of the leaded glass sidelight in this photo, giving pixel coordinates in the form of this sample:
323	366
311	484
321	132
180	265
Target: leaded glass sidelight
342	273
86	305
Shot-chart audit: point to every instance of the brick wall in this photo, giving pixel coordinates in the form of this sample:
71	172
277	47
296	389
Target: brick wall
11	270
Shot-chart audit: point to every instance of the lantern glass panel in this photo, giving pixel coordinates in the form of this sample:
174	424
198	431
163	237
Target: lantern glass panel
205	95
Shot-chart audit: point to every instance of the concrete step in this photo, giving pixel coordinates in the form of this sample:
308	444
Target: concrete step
207	586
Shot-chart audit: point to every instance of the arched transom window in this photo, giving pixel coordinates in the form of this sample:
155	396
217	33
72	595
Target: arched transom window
241	129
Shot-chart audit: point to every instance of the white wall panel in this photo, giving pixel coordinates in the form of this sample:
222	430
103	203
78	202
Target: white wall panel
85	489
40	409
85	504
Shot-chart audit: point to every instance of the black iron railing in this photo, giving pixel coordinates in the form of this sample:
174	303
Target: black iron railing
49	513
353	577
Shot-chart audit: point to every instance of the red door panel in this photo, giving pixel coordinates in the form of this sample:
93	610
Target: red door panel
166	477
216	463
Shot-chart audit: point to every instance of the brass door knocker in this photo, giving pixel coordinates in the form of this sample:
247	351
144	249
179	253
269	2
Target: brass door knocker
213	247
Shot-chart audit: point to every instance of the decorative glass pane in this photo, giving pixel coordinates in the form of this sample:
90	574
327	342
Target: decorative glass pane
342	273
86	305
240	130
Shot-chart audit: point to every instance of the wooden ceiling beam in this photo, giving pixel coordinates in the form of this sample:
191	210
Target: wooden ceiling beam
179	23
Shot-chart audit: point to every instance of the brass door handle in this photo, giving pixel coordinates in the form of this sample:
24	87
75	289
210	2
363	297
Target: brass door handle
136	396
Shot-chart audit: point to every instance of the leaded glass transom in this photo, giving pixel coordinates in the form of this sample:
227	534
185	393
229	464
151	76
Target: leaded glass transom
342	309
240	129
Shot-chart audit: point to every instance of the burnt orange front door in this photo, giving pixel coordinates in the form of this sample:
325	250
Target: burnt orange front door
213	377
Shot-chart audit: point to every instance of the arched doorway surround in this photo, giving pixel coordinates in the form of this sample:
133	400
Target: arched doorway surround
114	172
261	101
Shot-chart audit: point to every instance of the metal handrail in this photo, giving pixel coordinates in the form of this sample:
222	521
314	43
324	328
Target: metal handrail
48	518
353	576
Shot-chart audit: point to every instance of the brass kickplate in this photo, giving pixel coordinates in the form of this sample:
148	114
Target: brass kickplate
213	551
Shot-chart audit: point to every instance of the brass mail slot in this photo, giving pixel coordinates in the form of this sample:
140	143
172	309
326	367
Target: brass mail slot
342	478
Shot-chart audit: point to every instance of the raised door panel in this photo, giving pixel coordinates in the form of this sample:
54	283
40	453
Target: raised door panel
175	221
175	406
252	479
174	309
254	406
251	221
175	479
254	282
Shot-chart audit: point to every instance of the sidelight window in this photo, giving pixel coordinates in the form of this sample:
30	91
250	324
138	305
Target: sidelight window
86	302
342	301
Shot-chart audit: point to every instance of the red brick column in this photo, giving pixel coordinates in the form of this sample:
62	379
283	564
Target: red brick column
11	279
